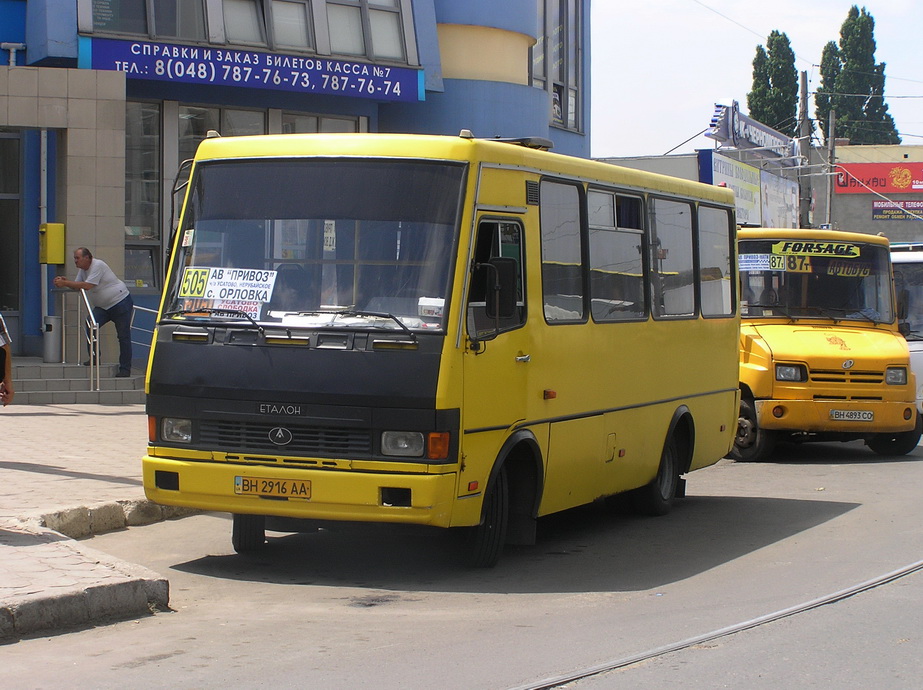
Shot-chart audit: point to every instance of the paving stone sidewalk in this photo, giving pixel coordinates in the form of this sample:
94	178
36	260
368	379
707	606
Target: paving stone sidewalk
66	472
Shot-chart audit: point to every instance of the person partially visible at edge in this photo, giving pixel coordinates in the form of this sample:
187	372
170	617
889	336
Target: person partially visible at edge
109	296
6	366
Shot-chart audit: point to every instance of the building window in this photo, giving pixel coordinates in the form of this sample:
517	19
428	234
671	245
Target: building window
360	28
10	186
196	121
242	22
163	18
298	123
291	24
556	57
366	27
142	194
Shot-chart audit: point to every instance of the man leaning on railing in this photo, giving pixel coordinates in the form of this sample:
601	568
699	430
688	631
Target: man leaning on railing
110	298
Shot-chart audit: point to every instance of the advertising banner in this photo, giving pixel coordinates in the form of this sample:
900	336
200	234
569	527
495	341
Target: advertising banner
883	178
742	178
227	67
779	201
897	210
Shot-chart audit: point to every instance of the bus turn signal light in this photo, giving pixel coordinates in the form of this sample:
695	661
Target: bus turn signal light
438	446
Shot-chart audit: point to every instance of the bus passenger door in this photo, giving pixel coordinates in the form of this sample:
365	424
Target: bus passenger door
498	353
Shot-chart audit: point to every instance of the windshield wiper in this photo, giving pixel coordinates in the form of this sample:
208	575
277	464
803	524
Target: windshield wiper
217	312
381	315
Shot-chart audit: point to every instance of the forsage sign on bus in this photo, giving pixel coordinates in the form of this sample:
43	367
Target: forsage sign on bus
247	68
840	249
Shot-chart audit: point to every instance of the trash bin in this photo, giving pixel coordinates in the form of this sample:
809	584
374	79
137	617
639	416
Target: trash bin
52	339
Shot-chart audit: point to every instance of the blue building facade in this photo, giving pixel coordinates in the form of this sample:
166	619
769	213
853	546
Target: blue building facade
101	100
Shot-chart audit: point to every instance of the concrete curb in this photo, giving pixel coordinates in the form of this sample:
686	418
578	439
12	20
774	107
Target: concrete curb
54	583
85	521
93	588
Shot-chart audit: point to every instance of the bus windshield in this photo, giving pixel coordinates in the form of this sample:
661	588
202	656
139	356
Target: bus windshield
366	243
810	280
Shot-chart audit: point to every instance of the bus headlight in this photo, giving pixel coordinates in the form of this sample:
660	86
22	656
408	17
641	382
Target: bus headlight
791	372
896	376
176	430
408	444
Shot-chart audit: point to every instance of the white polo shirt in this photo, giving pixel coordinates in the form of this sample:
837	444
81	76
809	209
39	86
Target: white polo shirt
109	290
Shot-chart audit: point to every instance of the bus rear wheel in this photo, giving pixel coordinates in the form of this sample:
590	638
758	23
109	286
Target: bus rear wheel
485	541
896	444
657	497
248	533
751	444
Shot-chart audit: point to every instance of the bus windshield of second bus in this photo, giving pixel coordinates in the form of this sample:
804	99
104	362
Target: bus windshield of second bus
326	243
853	282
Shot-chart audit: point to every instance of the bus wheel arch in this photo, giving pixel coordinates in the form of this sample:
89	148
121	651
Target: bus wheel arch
510	506
656	498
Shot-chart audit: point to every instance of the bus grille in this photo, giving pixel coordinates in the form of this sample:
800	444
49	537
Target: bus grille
306	440
844	376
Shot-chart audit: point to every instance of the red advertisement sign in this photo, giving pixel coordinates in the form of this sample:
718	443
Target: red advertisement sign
884	178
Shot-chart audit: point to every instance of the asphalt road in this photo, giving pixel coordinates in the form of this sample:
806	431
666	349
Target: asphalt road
378	606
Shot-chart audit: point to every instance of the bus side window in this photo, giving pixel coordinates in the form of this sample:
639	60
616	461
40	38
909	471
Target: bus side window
497	254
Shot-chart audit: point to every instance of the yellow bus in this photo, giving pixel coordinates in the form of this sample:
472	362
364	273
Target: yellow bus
438	331
821	356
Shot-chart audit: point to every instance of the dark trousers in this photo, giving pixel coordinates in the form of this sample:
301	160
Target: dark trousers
120	315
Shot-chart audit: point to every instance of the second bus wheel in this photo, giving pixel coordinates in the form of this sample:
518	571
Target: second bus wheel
248	533
751	444
896	444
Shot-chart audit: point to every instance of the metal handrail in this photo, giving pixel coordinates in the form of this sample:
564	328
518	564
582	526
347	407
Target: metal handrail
92	338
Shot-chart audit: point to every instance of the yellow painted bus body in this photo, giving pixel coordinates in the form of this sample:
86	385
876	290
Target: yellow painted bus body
582	410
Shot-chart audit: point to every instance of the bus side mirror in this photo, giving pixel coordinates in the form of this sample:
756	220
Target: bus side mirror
501	301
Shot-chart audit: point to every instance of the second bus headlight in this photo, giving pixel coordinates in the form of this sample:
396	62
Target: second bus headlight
791	372
408	444
896	376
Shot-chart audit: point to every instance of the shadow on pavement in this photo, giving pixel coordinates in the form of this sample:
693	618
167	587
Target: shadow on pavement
583	550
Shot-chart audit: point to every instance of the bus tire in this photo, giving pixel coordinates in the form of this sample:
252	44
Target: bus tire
656	498
248	533
485	541
896	444
751	444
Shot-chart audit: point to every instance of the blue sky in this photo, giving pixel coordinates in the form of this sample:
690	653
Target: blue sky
659	66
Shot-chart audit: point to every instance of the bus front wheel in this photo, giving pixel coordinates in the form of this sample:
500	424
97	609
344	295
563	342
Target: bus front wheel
248	533
896	444
485	541
751	444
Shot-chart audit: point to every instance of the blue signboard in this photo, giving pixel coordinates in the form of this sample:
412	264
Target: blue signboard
250	69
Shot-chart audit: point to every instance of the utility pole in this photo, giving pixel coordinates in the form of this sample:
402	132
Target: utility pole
805	185
831	152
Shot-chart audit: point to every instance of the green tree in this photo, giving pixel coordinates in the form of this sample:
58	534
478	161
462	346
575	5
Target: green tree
853	85
774	98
